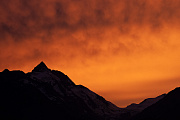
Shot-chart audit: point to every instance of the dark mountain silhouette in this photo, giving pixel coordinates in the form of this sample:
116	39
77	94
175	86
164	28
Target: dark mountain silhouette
45	94
137	108
41	67
167	108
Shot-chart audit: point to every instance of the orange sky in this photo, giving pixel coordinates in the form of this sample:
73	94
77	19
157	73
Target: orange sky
124	50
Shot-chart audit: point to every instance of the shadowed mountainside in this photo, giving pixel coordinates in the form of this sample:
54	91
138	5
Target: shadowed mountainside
46	94
137	108
167	108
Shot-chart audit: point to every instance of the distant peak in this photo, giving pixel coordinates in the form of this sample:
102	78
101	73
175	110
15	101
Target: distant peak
5	70
42	64
41	67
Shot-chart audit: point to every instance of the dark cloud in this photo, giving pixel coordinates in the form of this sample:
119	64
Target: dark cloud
27	18
82	28
98	42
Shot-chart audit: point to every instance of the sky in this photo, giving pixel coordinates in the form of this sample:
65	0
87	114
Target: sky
124	50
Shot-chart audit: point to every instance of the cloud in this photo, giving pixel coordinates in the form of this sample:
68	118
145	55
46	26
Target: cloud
82	27
92	40
29	18
83	30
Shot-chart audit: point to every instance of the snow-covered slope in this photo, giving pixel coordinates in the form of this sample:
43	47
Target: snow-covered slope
64	90
63	94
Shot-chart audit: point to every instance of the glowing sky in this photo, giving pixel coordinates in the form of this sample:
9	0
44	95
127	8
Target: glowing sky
125	50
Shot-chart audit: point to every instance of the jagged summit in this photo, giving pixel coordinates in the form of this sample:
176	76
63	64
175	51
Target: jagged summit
51	95
41	67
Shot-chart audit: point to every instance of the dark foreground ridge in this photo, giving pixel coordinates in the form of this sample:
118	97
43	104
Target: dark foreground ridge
46	94
167	108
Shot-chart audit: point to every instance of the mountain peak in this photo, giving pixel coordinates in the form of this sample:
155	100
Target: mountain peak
5	70
41	67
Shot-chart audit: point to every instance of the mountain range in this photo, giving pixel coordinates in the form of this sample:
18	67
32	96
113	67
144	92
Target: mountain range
46	94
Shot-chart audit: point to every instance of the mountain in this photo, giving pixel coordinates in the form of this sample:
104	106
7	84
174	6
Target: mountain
168	108
46	94
137	108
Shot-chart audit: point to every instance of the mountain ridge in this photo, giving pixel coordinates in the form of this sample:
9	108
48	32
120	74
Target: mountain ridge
40	67
165	109
145	103
56	90
46	94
